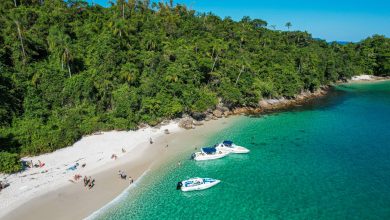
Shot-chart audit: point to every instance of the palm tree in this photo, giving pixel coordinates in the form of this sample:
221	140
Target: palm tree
288	25
67	58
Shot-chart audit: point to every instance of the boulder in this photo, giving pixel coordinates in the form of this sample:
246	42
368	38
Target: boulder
186	123
143	125
197	123
208	117
217	113
199	116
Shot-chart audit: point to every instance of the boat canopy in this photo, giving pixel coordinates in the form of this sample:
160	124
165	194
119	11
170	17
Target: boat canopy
228	143
209	150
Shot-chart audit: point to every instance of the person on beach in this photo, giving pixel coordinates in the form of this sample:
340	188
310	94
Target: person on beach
131	180
114	156
123	150
87	182
122	174
84	164
150	140
40	164
91	184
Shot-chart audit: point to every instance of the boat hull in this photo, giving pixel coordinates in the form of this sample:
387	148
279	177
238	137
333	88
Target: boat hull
200	187
234	150
199	157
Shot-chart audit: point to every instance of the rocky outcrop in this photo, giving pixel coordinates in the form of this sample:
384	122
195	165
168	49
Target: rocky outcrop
199	116
186	123
208	117
246	110
217	113
264	105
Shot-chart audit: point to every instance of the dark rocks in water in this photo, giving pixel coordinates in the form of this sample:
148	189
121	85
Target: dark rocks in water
263	143
303	131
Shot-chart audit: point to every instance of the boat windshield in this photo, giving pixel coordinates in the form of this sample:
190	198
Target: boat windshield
209	150
228	143
190	183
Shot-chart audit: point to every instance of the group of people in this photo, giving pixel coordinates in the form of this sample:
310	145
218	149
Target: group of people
89	182
30	164
123	176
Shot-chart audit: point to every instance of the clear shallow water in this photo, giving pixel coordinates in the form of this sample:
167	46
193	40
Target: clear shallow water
327	160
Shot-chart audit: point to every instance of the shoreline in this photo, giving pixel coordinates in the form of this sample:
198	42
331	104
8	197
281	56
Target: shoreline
66	200
74	201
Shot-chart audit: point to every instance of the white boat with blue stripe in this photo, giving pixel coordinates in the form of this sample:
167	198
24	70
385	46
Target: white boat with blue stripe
196	183
209	153
229	146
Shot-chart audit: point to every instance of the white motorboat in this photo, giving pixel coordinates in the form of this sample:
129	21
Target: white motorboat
229	146
196	184
209	153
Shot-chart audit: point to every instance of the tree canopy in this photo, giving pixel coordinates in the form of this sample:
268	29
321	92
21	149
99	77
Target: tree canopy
71	68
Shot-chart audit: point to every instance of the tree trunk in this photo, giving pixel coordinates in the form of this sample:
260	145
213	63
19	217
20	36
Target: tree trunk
123	11
70	74
21	41
215	62
238	77
15	4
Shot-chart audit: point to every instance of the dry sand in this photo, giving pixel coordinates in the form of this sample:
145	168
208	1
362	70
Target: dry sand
65	200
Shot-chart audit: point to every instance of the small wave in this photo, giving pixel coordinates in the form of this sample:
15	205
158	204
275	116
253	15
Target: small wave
116	200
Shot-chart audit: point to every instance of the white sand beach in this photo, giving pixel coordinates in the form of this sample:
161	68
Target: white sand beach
95	151
363	78
47	193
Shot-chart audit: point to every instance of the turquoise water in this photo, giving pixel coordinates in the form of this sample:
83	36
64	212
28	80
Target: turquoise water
327	160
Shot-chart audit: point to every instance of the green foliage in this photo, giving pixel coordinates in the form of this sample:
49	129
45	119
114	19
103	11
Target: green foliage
68	68
9	162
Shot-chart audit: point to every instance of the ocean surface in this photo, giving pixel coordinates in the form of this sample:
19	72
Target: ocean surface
329	159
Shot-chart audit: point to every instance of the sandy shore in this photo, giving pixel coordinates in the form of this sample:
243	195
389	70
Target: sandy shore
367	78
51	195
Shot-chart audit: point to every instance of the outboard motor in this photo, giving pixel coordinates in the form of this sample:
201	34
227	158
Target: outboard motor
193	155
179	185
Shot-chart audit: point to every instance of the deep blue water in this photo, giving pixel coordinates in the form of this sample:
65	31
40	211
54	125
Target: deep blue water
327	160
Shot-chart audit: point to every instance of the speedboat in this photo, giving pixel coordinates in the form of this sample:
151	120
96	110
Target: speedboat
229	146
209	153
196	184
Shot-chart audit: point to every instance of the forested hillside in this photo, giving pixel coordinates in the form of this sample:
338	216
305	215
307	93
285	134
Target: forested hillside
69	68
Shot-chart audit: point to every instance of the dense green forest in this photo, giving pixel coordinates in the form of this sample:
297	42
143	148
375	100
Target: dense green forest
70	68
